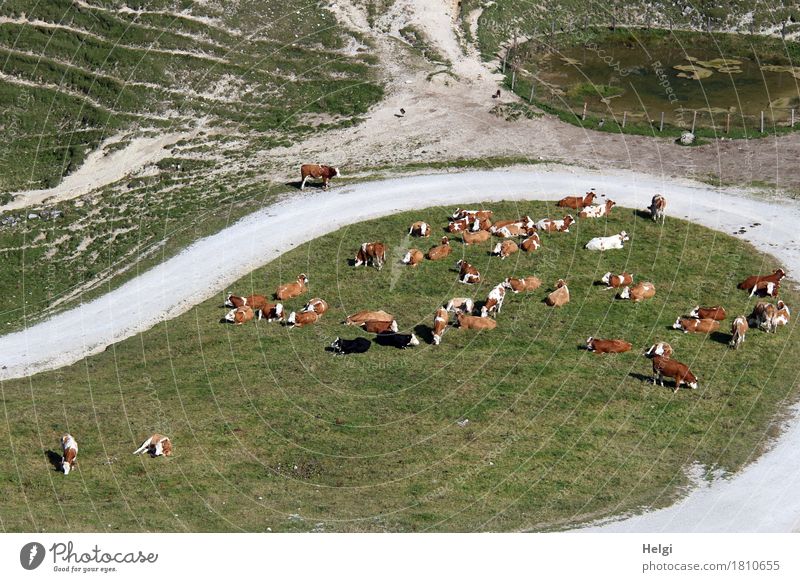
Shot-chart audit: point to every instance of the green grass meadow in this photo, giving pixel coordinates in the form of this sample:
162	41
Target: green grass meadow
274	433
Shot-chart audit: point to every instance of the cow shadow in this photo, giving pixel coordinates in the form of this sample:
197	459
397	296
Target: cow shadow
424	333
351	262
720	337
54	459
641	377
643	214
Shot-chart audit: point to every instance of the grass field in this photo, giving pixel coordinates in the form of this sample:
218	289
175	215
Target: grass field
273	433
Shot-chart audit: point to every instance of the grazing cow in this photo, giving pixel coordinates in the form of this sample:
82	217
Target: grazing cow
271	312
292	290
471	238
240	315
474	322
532	243
607	346
69	452
764	317
472	214
317	305
302	318
420	228
560	296
739	329
396	340
413	257
615	281
670	368
607	243
494	302
155	446
505	249
442	251
318	172
371	253
467	273
529	283
373	326
550	225
362	316
782	315
460	304
358	345
687	324
577	202
597	210
255	301
659	349
657	207
717	313
752	283
639	292
440	322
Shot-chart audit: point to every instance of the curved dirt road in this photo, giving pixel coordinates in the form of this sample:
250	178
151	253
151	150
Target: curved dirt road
760	498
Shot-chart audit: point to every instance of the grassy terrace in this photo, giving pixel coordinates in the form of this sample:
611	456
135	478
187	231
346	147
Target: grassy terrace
271	431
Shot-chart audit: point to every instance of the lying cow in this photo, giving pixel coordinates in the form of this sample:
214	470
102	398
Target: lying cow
155	446
717	313
464	225
765	289
657	208
420	228
532	243
292	290
318	172
639	292
524	224
460	304
472	238
739	329
782	315
597	210
529	283
577	202
550	225
363	316
659	349
607	346
615	281
606	243
69	453
441	251
670	368
690	324
472	214
494	302
240	315
560	296
467	273
505	249
302	318
358	345
371	253
413	258
255	301
752	283
474	322
509	231
396	340
764	317
317	305
271	312
440	322
376	326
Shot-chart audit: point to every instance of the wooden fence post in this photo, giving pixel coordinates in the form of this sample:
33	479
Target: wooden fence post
728	124
533	86
792	125
583	117
513	78
661	125
762	122
694	120
505	57
624	118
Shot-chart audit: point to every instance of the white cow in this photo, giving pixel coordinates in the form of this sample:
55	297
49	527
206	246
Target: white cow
605	243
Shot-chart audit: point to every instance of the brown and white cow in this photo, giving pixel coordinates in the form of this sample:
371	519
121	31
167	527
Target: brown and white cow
464	225
420	228
472	214
531	243
766	289
155	446
673	369
271	312
752	283
441	251
550	225
505	249
577	202
317	305
375	326
475	322
739	329
302	318
69	453
597	210
240	315
494	302
440	321
657	208
615	281
471	238
639	292
659	349
509	231
363	316
318	172
690	324
292	290
413	257
460	304
782	315
524	223
467	273
764	317
517	285
560	296
717	312
371	253
607	346
255	301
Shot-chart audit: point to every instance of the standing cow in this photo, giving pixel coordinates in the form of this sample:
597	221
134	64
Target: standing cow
371	253
440	322
69	453
318	172
657	207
